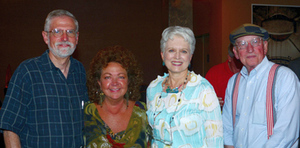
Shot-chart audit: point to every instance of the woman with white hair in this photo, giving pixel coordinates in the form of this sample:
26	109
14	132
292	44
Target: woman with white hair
183	109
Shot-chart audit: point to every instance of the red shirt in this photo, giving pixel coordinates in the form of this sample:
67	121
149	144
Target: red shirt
218	77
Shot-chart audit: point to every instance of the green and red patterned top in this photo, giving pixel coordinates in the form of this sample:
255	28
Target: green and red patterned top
98	134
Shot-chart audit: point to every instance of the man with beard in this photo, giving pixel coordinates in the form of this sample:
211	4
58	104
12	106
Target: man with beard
43	106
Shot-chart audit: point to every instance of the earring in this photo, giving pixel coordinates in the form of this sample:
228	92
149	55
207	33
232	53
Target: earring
127	97
190	65
101	96
163	64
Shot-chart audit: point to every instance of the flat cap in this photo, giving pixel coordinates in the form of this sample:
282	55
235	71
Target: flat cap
248	29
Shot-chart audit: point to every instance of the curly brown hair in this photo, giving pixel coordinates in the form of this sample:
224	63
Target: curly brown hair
122	56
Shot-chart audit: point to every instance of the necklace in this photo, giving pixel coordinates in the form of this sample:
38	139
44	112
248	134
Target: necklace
169	90
176	89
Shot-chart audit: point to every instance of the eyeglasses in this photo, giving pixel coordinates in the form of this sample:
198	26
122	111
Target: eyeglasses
244	44
59	32
166	140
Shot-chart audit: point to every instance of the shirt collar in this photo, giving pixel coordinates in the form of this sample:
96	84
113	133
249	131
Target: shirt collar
47	64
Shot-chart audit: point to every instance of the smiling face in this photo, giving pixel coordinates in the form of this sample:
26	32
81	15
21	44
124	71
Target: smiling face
64	45
114	81
177	55
251	56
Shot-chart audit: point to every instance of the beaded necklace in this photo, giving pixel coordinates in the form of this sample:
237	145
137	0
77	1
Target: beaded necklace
176	89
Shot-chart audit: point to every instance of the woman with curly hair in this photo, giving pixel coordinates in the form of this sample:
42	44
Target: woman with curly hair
114	117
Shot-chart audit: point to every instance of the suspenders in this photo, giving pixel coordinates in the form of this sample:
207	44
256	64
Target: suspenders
270	98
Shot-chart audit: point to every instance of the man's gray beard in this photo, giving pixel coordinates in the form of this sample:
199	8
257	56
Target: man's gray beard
56	51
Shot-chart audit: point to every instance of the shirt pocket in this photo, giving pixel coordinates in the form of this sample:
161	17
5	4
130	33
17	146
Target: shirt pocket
259	115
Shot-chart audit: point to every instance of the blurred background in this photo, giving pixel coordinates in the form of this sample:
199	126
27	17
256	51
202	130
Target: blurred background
135	24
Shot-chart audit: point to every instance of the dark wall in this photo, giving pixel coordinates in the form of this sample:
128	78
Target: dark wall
135	24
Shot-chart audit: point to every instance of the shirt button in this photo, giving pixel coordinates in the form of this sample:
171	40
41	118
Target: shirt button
245	114
247	98
242	129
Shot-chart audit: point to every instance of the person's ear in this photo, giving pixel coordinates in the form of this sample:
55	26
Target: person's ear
45	37
77	36
162	55
236	54
229	58
191	58
265	47
99	83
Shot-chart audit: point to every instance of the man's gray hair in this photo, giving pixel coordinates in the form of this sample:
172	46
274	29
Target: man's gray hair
58	13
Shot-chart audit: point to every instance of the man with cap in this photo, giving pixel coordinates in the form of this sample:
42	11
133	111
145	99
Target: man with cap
219	75
245	120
